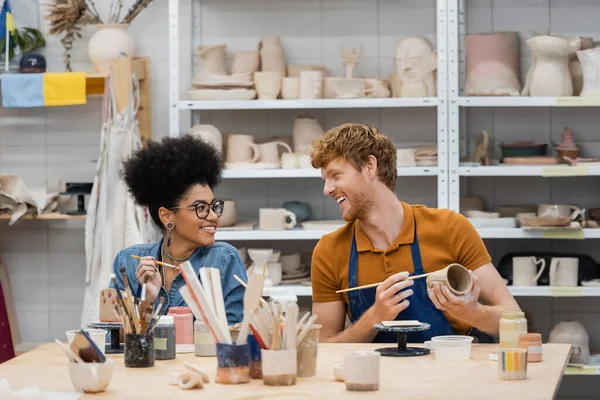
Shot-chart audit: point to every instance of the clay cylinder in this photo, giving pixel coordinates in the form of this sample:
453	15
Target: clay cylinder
361	371
279	367
307	353
233	364
493	64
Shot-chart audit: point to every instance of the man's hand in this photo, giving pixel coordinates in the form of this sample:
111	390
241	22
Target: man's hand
389	301
459	307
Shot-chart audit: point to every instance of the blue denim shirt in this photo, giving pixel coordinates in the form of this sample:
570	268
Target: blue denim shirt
220	255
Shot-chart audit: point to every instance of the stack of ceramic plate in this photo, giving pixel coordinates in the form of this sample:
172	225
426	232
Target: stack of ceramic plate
299	275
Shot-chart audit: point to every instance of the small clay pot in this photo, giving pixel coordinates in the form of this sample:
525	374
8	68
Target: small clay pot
455	277
572	154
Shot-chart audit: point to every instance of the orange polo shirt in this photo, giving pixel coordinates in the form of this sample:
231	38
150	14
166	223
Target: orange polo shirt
445	237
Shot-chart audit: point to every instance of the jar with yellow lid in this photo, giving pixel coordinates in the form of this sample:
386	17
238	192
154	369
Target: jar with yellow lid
512	324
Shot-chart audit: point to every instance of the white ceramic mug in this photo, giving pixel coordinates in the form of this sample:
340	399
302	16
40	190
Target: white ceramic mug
290	88
268	84
269	152
91	377
525	271
98	336
241	148
564	271
275	219
311	84
361	370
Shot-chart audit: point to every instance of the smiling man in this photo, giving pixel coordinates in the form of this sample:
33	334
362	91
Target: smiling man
386	240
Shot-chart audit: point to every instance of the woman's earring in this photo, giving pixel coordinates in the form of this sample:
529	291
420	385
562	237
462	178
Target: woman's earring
170	226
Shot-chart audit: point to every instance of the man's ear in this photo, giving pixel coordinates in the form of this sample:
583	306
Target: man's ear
371	167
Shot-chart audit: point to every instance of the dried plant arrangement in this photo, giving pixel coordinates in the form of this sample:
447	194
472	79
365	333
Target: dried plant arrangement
68	17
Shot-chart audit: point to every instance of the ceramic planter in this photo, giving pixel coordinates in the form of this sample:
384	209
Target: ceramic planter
109	42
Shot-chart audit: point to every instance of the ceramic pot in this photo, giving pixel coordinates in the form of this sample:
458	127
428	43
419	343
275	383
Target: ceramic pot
272	56
590	61
245	62
290	88
549	74
306	129
575	65
493	64
455	277
229	216
573	332
109	42
268	84
212	62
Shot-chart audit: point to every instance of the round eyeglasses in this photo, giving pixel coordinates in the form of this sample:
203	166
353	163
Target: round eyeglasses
203	208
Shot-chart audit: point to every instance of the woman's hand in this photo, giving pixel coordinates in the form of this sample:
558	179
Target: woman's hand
147	271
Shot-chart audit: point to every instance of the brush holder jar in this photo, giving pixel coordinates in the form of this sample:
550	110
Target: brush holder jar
307	353
184	329
164	338
233	364
139	350
255	358
279	367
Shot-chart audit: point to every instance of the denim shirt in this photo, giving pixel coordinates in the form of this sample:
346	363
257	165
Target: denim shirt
220	255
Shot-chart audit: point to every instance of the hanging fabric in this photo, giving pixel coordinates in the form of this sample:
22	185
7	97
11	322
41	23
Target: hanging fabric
114	221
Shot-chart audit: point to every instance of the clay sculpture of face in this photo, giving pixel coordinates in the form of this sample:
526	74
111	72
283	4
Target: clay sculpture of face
415	59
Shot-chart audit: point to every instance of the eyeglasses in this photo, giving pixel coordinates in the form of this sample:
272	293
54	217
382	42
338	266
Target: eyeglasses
203	208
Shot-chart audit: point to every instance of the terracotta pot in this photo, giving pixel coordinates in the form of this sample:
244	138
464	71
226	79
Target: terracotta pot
109	42
493	64
272	57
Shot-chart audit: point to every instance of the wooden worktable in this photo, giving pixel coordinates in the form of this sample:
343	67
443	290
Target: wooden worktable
407	378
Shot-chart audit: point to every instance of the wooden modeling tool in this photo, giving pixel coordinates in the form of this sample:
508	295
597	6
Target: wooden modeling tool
306	328
158	262
237	278
410	278
219	302
251	302
290	332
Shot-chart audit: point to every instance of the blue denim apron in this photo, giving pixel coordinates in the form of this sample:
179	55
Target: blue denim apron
421	307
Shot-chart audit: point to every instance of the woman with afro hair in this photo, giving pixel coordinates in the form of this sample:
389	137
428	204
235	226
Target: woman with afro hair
175	179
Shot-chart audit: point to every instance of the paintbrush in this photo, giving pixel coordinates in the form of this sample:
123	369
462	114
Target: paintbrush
164	264
370	285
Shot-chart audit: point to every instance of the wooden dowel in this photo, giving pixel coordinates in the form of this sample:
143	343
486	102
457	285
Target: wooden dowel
237	278
157	262
379	283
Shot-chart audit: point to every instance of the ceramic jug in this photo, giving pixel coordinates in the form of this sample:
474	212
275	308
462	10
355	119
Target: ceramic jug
590	66
306	129
524	271
212	61
564	271
272	56
549	74
493	64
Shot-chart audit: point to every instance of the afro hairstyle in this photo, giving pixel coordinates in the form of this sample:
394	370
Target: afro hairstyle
162	173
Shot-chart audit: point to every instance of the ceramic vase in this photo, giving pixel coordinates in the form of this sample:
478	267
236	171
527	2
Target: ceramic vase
109	42
549	73
306	129
212	61
272	57
493	64
590	66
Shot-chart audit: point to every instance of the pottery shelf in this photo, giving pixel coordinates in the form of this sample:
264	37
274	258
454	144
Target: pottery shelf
48	217
522	291
528	101
530	170
313	173
502	233
308	104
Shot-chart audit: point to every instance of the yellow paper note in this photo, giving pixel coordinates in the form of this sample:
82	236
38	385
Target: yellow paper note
576	101
564	234
566	291
582	371
549	172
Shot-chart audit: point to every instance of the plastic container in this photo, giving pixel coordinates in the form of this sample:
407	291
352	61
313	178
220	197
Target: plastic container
184	329
512	324
164	338
452	347
204	343
532	342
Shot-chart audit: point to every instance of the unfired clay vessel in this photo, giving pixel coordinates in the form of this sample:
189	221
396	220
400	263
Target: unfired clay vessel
272	56
575	65
493	64
311	84
306	129
109	42
590	67
208	133
212	61
455	277
245	62
549	73
573	332
416	63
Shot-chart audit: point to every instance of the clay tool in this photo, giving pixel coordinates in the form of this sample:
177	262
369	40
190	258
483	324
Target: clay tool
217	294
251	303
302	320
237	278
157	262
290	332
370	285
70	354
205	281
306	328
205	314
